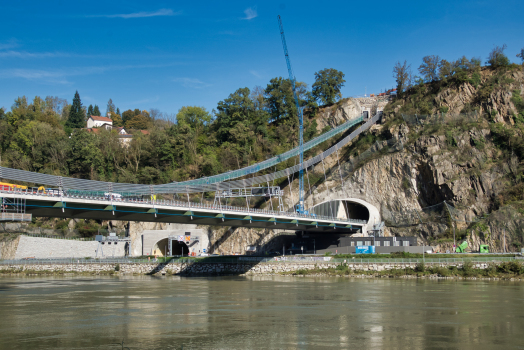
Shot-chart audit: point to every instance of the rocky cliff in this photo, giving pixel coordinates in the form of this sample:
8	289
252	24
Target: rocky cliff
469	157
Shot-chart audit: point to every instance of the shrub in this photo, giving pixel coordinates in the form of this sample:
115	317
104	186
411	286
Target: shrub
62	225
441	271
421	267
497	58
511	267
490	271
117	267
87	228
467	269
450	139
475	80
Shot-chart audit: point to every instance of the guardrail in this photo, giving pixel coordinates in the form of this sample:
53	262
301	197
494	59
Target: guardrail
176	203
248	260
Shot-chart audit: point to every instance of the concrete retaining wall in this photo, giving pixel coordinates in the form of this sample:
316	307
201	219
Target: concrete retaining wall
43	248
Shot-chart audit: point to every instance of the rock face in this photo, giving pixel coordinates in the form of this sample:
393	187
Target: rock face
456	161
338	113
8	248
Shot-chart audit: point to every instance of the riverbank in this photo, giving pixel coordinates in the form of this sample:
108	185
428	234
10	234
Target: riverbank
468	270
489	270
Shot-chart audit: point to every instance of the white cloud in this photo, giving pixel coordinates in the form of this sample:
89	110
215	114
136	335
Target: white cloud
9	44
161	12
59	76
53	77
25	54
191	83
255	73
250	13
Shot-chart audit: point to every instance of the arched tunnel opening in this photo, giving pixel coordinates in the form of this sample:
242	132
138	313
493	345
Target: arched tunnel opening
356	211
162	248
179	248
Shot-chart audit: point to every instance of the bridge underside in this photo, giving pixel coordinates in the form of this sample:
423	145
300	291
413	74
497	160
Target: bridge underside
194	216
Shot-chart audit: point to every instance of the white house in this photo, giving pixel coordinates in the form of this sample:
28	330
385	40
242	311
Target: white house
96	122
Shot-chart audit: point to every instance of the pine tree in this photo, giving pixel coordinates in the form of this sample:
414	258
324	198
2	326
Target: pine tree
77	116
96	111
90	111
110	107
118	111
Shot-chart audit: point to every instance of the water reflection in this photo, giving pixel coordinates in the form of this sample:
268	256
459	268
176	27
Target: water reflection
268	312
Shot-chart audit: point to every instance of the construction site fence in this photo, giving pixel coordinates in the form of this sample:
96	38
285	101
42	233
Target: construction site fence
257	260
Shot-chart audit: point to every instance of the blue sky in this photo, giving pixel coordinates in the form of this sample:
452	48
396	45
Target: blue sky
169	54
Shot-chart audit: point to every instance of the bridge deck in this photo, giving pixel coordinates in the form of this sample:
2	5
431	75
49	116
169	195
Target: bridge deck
100	208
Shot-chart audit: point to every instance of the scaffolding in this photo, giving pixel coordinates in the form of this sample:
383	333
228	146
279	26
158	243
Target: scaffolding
13	210
269	192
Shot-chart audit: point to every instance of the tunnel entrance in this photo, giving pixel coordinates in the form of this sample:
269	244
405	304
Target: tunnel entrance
170	247
161	248
356	211
178	248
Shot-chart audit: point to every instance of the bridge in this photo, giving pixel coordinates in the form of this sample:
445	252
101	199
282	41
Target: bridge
174	211
89	199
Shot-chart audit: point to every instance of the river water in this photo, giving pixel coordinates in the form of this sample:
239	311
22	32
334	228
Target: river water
259	313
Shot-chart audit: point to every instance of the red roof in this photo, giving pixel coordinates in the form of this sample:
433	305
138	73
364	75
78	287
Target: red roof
102	119
145	132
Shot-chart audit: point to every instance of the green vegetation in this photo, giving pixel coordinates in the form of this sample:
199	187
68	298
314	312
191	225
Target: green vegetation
327	85
504	270
49	136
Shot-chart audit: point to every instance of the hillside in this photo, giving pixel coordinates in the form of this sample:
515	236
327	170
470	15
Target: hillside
457	141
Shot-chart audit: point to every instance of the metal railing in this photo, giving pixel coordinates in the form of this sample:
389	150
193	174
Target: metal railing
173	203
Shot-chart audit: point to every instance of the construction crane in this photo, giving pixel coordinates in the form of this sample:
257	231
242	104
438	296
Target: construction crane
300	207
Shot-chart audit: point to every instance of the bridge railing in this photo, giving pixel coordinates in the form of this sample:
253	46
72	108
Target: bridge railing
170	203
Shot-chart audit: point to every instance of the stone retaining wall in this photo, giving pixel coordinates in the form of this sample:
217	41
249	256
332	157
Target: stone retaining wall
211	268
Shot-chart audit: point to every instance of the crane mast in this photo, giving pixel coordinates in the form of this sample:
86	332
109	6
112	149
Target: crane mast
300	207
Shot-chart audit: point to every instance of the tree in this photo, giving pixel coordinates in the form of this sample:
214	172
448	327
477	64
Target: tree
429	68
90	111
118	111
139	121
56	104
196	117
327	85
76	114
497	58
127	115
257	96
521	54
402	74
279	99
85	157
96	111
117	120
110	107
236	108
